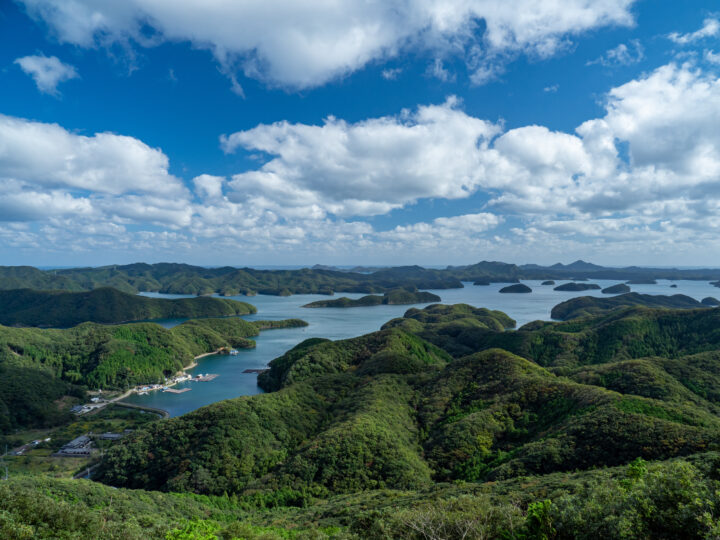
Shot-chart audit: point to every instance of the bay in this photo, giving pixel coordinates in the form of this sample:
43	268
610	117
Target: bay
343	323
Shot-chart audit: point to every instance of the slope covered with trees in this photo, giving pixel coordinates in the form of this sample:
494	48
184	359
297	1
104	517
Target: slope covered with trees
433	398
38	367
27	307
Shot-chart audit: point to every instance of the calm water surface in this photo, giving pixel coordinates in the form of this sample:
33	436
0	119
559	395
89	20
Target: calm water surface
342	323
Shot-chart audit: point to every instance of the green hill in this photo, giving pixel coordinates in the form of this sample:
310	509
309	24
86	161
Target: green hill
392	410
40	366
395	297
587	305
26	307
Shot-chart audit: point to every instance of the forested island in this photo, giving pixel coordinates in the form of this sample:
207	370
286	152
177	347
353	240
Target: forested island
589	305
27	307
395	297
620	288
517	288
577	287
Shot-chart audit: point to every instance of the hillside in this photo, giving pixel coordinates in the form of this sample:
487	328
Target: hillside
675	498
26	307
40	366
391	410
395	297
587	305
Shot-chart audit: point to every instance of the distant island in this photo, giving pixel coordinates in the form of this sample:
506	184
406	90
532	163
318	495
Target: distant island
620	288
230	281
548	282
575	287
588	305
396	297
517	288
26	307
642	282
710	301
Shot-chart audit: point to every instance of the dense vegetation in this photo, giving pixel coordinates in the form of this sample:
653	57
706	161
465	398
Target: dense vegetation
38	367
27	307
587	305
442	425
394	297
433	398
666	499
229	281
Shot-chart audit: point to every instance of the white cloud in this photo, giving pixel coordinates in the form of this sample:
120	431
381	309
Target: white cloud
622	55
437	69
643	176
391	74
47	72
305	44
712	57
208	186
365	168
710	28
552	88
49	155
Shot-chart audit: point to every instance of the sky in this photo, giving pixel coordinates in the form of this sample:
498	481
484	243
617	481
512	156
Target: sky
277	132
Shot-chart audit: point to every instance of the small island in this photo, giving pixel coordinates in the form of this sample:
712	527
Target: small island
585	306
641	282
620	288
575	287
710	301
548	282
396	297
481	282
517	288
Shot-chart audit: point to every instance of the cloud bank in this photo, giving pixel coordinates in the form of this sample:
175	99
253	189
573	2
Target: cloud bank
305	44
644	175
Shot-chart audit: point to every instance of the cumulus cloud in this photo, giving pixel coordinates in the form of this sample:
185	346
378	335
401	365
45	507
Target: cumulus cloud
710	28
47	72
365	168
305	44
49	155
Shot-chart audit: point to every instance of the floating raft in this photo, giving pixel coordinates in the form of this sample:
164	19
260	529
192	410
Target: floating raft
176	391
203	378
256	370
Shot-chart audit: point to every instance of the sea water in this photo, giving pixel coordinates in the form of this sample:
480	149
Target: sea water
343	323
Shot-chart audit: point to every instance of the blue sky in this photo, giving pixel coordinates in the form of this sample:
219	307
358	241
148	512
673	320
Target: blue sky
252	133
